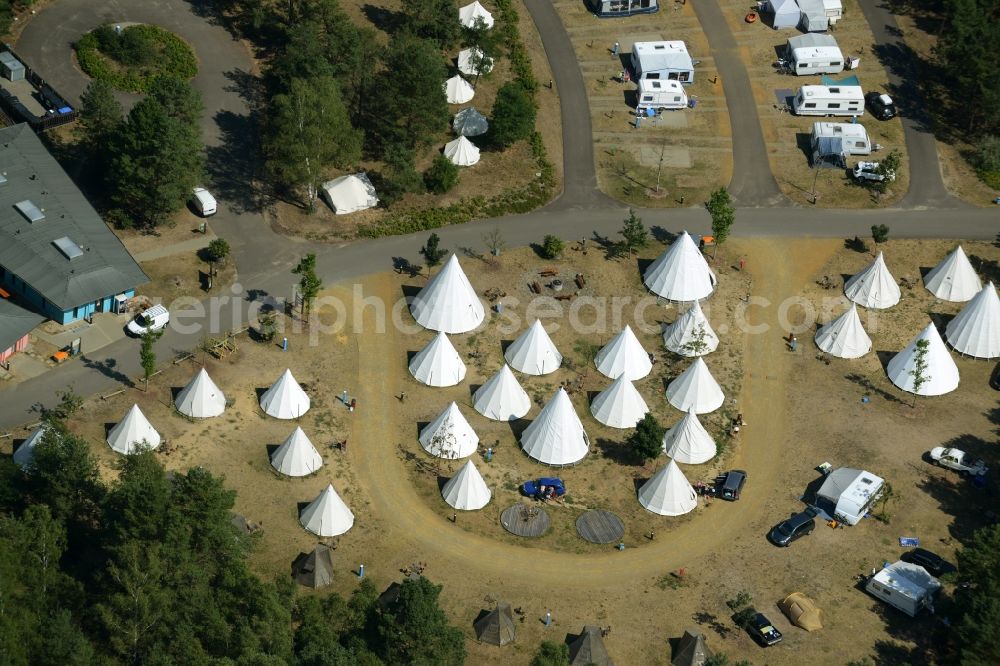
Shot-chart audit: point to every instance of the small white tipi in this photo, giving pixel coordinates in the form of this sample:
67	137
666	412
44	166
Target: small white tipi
327	515
954	279
132	432
449	435
25	453
941	374
696	388
474	61
976	330
681	337
668	493
533	352
681	272
201	398
448	302
466	491
620	405
501	398
296	456
438	364
468	14
688	442
874	287
624	355
844	337
285	399
458	90
461	152
556	437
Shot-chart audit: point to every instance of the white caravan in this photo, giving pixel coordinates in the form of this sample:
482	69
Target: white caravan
904	586
833	142
659	95
829	101
814	54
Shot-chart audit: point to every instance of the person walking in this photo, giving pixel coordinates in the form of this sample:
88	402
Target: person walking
743	263
354	403
614	50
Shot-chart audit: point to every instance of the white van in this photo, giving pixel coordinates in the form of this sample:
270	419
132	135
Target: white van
829	101
660	94
153	319
204	202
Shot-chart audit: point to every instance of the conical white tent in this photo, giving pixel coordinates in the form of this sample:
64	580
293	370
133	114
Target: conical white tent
449	435
297	456
533	353
469	122
201	398
941	374
624	355
327	515
468	14
285	399
683	336
474	61
874	287
461	152
466	491
438	364
132	432
976	329
448	303
25	453
556	437
458	90
695	388
688	442
844	337
668	493
501	398
681	272
954	279
620	405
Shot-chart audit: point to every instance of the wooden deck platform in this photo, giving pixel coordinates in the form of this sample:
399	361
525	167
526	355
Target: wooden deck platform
525	520
600	526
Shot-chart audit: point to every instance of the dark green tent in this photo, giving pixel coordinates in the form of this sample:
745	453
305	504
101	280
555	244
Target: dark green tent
314	569
691	649
588	648
497	626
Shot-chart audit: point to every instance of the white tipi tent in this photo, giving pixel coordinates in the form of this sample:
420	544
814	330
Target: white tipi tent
449	435
954	279
466	491
688	442
296	456
844	337
941	373
458	90
438	364
285	399
556	437
327	515
680	336
448	302
468	14
533	352
501	398
874	287
25	453
681	272
624	355
467	62
461	152
620	405
132	432
976	329
201	398
695	388
668	493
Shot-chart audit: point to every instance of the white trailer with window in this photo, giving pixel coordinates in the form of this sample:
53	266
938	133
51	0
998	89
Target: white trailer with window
847	493
665	61
829	101
814	54
904	586
660	95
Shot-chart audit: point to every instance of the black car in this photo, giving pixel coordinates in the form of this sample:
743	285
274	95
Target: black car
732	484
880	105
787	531
762	631
934	564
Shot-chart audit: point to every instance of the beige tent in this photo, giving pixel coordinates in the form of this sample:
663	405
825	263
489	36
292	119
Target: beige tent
802	611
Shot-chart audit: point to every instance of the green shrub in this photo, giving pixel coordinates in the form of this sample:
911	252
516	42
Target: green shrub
130	61
441	176
552	247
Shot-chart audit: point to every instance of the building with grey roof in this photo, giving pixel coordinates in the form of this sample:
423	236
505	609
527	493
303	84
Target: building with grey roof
15	324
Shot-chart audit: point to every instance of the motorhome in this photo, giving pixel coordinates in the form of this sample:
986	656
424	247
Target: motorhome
904	586
814	54
660	95
666	61
829	101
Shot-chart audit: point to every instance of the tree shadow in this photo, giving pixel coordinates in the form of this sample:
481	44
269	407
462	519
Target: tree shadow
856	244
987	268
107	367
712	622
619	452
233	163
910	70
249	87
662	235
384	19
866	383
925	631
403	265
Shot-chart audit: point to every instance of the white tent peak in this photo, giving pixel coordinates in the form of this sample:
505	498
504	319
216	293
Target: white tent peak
285	399
25	454
874	287
466	64
620	405
668	493
941	373
448	302
501	398
976	330
680	336
449	435
844	337
688	442
533	352
461	152
681	272
201	398
297	456
466	490
327	515
457	90
438	364
468	14
350	193
133	431
624	355
696	388
556	437
954	279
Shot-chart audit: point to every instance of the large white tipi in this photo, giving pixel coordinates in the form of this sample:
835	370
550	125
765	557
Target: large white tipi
461	152
688	442
501	398
976	330
285	399
874	287
132	432
474	61
668	493
941	374
954	279
683	336
556	437
681	272
624	355
449	435
438	364
533	352
448	303
457	90
296	456
696	388
466	491
327	515
844	337
25	453
201	398
468	14
620	405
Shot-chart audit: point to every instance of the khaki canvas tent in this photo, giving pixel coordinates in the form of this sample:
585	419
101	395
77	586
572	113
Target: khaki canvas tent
691	649
497	626
314	569
802	611
588	648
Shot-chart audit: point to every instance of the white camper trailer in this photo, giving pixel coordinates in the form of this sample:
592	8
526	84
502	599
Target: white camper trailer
833	142
814	54
834	10
847	494
620	8
829	101
666	61
904	586
656	94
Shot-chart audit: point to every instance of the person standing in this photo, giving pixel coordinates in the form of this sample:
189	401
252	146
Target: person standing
614	50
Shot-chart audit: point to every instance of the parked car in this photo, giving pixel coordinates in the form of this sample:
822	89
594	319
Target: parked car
958	460
153	319
934	564
544	488
204	202
762	631
796	527
869	171
880	105
732	484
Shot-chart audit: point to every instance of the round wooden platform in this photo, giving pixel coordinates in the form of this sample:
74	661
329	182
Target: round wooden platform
525	520
599	526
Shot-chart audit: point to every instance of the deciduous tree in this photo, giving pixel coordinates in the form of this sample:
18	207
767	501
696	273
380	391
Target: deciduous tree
647	440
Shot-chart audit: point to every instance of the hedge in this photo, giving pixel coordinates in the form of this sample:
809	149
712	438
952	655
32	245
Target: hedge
174	59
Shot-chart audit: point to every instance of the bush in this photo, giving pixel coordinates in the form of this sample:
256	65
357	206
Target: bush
880	233
986	159
131	60
441	176
552	247
513	115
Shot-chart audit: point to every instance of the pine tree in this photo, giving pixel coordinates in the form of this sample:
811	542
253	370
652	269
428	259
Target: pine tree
432	253
147	355
634	232
647	440
309	283
720	207
919	371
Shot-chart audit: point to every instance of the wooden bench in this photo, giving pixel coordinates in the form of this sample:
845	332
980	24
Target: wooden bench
548	272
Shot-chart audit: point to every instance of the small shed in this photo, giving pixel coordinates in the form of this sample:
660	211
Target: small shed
784	13
12	68
349	194
802	611
497	626
314	569
619	8
662	60
813	16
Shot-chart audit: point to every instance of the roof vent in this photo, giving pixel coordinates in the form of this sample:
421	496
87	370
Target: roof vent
68	247
29	210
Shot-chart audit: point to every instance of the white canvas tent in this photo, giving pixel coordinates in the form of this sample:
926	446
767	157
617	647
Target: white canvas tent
449	435
556	437
25	453
691	334
844	337
874	287
132	432
201	398
474	61
501	398
624	355
976	330
327	515
681	272
457	90
813	18
688	442
695	388
468	14
466	491
448	302
285	399
668	493
905	586
349	194
533	352
438	364
620	405
847	494
785	12
941	373
461	152
469	122
954	279
296	456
